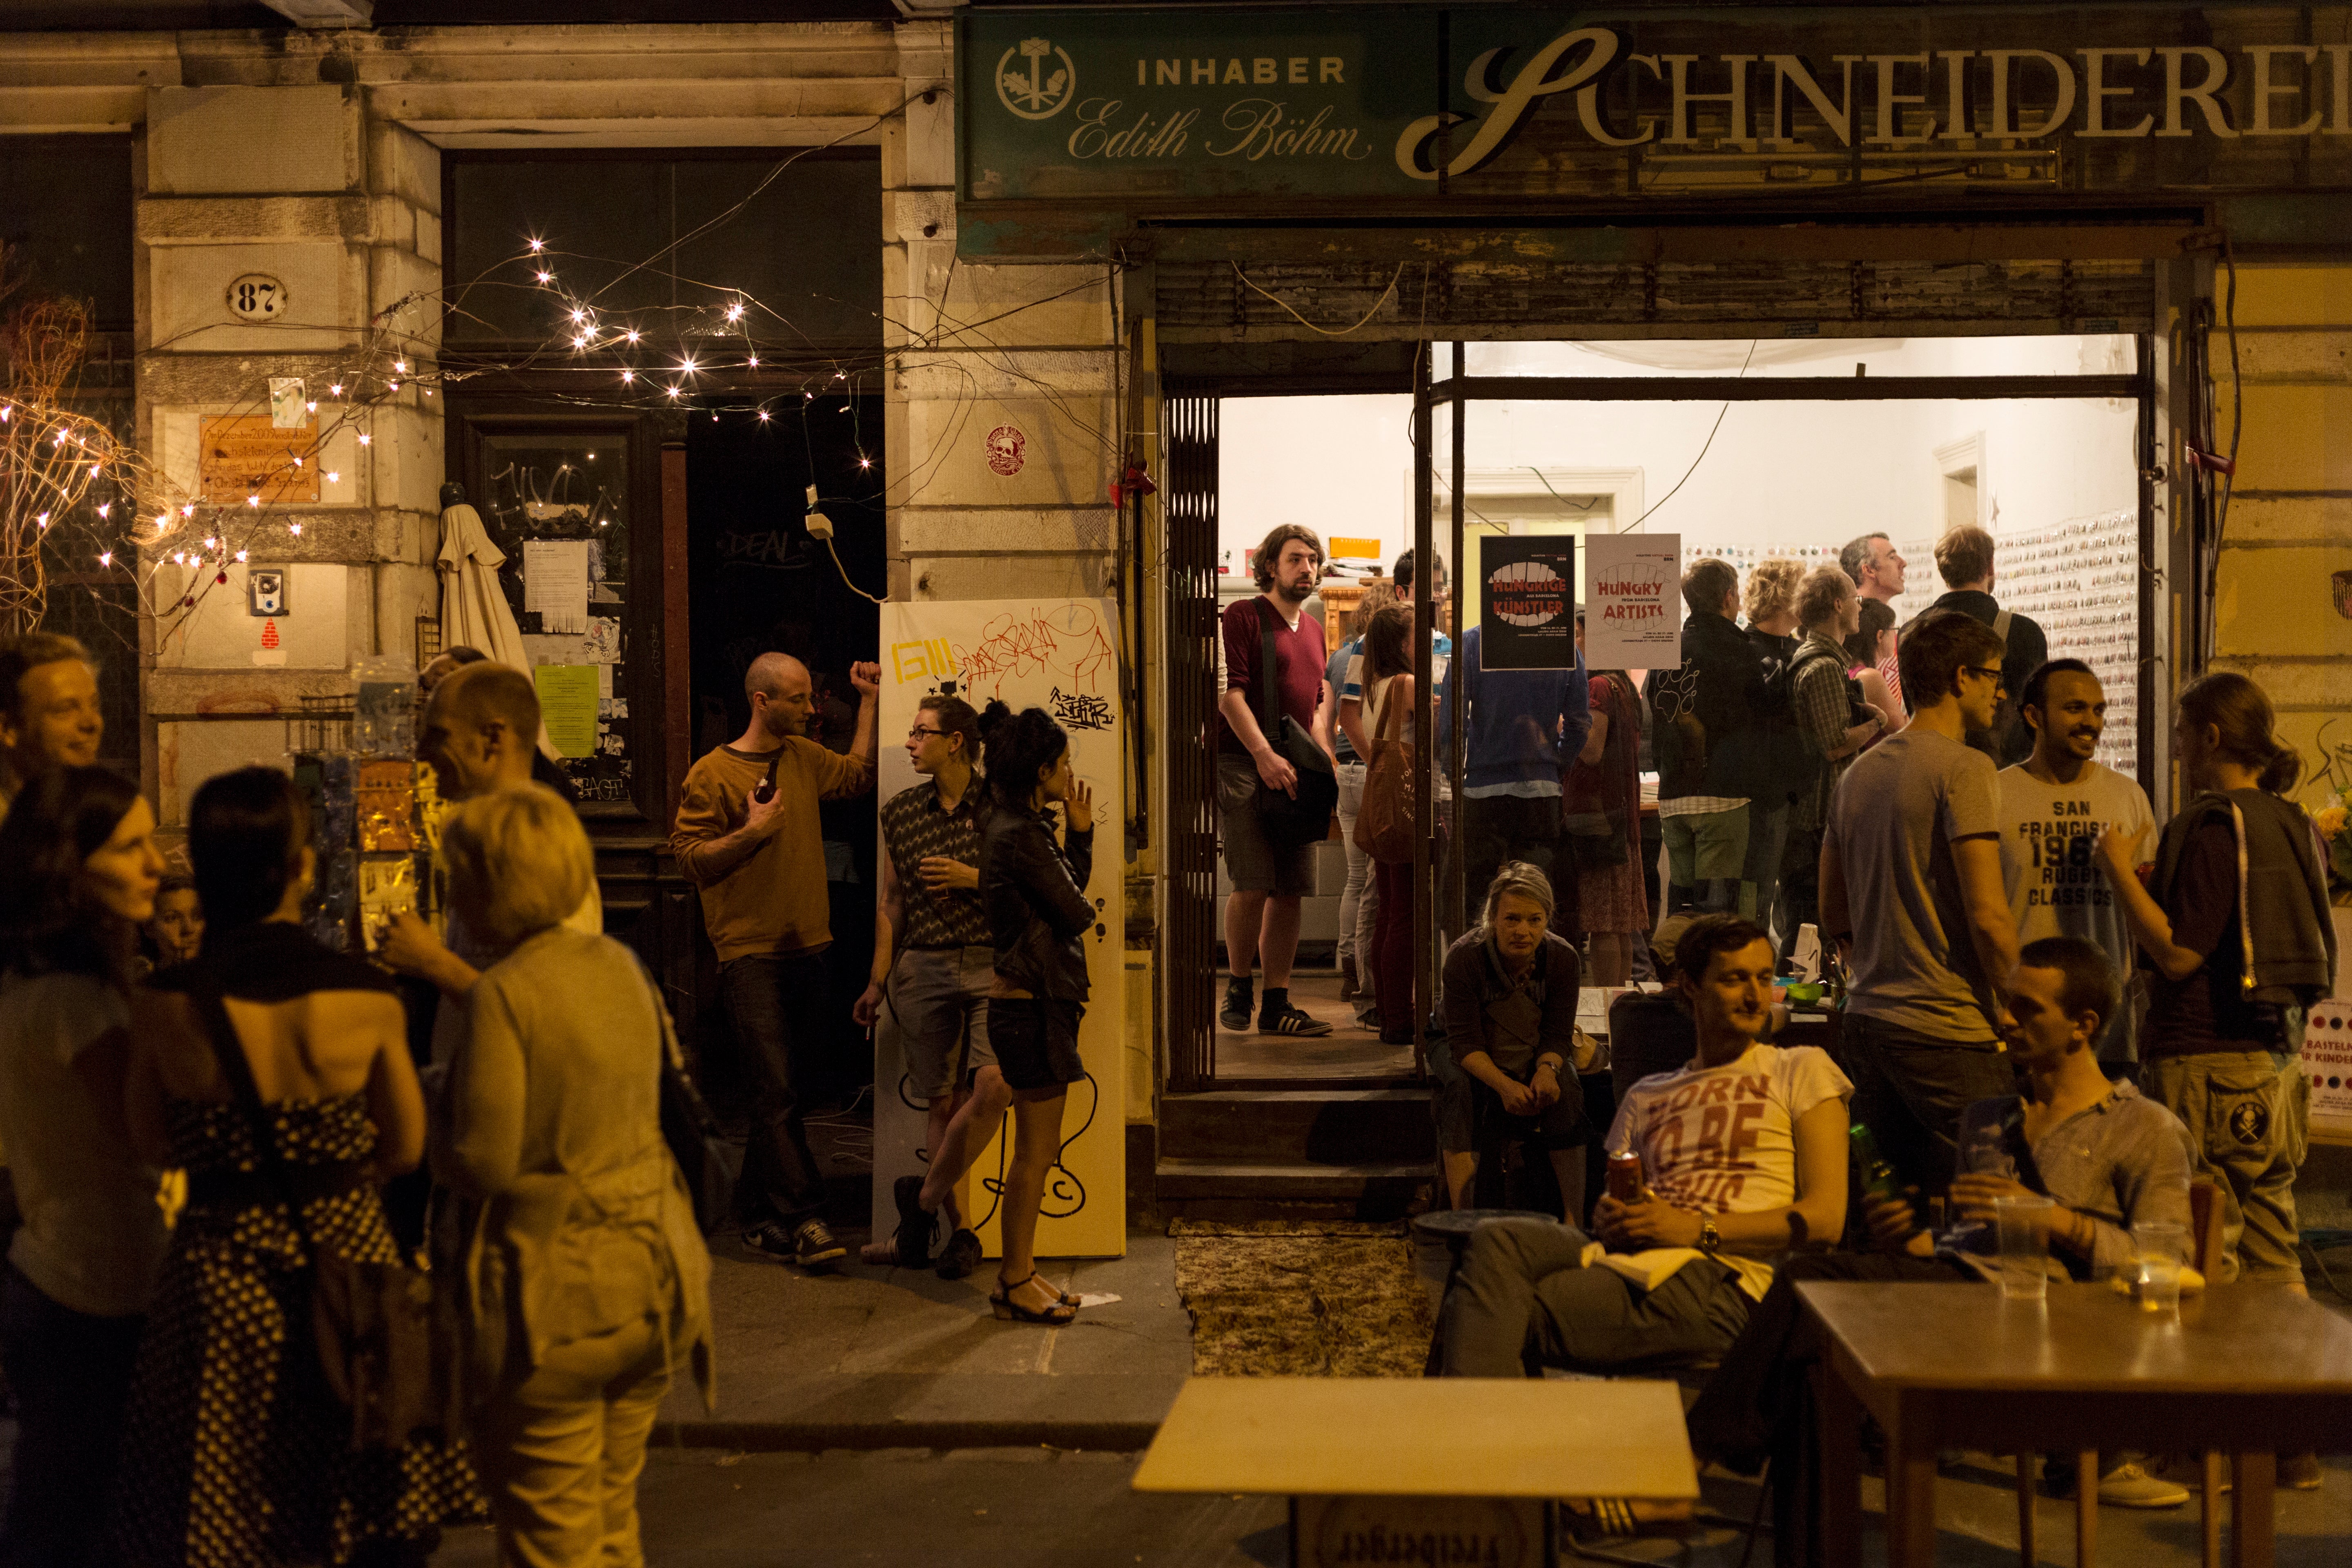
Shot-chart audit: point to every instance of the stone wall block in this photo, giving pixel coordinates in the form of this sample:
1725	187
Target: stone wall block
1011	530
1010	576
167	378
1060	451
2277	602
173	692
216	220
2298	439
2314	684
395	275
953	376
994	307
2304	519
2323	357
930	140
206	141
190	285
402	164
905	213
2293	296
188	753
405	469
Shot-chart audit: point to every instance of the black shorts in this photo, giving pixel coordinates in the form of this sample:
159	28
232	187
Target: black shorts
1035	1041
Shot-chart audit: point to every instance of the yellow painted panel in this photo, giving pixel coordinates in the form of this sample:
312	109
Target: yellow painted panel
1141	1067
2298	439
2292	296
2274	602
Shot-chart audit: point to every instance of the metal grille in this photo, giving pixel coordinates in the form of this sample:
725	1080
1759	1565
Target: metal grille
1189	424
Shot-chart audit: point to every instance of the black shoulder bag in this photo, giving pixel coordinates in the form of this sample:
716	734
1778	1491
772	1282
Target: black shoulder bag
371	1323
1290	820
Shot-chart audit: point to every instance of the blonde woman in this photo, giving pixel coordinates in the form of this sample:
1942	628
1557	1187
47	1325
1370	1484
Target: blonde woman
583	1279
1771	601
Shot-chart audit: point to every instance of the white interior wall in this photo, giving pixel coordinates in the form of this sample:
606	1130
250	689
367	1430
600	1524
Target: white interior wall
1777	474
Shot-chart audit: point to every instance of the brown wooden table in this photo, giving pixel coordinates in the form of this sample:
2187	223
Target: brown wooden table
2249	1371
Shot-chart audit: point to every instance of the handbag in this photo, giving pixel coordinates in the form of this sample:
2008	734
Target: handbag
1291	819
1385	823
711	1162
371	1323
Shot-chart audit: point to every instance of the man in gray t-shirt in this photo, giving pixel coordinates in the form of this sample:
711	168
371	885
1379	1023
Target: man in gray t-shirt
1911	893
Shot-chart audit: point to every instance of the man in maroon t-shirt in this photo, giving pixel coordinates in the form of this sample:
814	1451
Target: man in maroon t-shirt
1269	878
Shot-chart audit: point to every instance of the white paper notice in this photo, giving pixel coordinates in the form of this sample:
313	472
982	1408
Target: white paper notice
555	583
1633	588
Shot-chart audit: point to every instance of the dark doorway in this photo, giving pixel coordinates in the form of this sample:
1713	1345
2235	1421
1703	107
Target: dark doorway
759	581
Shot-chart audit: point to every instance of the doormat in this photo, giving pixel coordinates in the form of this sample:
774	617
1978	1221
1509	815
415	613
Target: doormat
1305	1299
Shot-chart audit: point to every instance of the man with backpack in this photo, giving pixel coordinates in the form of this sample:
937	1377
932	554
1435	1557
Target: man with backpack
1964	559
1709	742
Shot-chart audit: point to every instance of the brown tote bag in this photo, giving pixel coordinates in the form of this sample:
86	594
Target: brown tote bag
1385	827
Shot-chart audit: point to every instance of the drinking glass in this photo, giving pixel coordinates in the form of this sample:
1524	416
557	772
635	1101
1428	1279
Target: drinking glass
2162	1248
1985	1154
2022	1223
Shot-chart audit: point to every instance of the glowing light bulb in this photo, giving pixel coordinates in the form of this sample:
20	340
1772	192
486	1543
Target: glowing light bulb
536	246
295	528
104	508
334	475
755	361
580	343
298	462
240	557
106	558
211	543
628	376
735	312
401	366
366	439
253	501
310	408
579	315
189	509
42	520
687	366
392	387
672	391
547	277
337	389
763	416
631	334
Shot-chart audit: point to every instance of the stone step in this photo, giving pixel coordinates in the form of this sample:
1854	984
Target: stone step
1234	1189
1307	1127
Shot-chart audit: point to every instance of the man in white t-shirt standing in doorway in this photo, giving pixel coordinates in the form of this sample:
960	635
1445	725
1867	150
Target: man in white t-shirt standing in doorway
2053	806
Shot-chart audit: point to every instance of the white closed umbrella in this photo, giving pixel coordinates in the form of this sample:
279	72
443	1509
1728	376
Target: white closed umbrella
474	610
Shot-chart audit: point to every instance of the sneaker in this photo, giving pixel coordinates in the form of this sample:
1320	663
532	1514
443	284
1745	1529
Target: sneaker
1235	1015
2299	1472
917	1227
2130	1485
960	1256
1291	1021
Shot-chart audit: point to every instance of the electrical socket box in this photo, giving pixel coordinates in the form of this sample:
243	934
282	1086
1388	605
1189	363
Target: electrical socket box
264	591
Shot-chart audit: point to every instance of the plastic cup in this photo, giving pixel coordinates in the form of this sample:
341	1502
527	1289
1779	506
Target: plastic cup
2162	1250
2020	1224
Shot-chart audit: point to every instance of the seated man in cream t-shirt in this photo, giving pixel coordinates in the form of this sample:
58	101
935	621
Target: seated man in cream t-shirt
1743	1156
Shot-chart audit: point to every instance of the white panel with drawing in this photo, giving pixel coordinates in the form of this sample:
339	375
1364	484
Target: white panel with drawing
1058	655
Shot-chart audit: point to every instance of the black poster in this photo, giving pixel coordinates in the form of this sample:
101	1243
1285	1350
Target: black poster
1527	602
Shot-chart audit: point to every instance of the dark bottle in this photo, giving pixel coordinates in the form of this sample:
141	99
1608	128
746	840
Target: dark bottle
1877	1177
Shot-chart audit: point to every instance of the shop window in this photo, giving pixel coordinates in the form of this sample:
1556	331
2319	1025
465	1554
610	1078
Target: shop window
66	220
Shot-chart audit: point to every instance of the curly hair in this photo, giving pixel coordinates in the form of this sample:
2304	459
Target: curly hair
1772	588
1021	746
48	921
1269	551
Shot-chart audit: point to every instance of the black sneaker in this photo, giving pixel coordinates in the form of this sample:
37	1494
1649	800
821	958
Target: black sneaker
960	1256
1236	1012
810	1245
1291	1021
916	1227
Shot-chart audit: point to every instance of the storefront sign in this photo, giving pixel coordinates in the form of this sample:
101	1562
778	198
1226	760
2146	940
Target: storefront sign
1631	601
242	455
1527	602
2328	1063
1054	654
1162	108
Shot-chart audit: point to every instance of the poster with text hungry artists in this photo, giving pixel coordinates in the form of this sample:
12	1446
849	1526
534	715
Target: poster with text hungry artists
1633	586
1527	602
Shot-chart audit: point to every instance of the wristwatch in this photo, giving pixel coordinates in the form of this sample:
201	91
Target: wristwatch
1707	1239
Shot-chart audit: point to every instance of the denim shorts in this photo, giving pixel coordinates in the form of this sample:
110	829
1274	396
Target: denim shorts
935	1005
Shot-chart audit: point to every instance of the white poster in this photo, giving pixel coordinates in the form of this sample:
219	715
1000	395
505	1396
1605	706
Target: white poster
1633	600
1058	655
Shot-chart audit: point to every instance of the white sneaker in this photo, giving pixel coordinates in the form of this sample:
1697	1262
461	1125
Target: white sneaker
2129	1486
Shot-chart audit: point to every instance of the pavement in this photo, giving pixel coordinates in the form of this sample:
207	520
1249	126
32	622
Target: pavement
880	1357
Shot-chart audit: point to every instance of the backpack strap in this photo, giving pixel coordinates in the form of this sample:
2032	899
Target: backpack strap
1268	669
2001	628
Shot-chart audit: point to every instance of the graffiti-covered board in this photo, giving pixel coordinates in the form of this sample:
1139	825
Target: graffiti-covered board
1058	655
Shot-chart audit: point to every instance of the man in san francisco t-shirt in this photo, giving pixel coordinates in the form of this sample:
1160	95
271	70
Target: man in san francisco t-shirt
1743	1156
2053	806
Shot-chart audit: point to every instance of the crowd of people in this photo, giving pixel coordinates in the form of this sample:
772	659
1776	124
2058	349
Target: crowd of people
224	1346
2043	990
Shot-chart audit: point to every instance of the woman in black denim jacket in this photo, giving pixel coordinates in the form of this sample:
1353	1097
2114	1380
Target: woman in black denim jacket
1034	892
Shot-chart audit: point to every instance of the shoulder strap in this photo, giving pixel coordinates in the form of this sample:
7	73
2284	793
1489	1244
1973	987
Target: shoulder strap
230	1053
2001	626
1268	674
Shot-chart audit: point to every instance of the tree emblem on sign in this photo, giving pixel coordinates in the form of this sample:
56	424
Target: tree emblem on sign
1036	93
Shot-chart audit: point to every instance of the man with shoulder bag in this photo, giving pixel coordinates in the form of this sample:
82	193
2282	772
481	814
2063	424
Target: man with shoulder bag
1275	787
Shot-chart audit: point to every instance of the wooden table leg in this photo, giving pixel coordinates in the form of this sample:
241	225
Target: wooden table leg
2029	1552
1910	1489
2253	1525
2208	1509
1840	1524
2086	1507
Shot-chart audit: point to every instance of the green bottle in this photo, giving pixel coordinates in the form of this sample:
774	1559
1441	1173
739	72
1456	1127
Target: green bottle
1877	1177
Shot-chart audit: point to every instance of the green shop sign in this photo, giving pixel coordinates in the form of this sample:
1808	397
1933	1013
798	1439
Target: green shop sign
1254	112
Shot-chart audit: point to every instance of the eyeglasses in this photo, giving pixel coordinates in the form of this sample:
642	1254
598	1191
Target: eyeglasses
917	733
1992	675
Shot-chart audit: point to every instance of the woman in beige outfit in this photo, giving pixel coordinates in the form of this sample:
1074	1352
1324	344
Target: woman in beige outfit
582	1277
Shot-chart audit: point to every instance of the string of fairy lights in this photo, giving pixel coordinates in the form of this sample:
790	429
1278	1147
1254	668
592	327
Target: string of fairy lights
729	352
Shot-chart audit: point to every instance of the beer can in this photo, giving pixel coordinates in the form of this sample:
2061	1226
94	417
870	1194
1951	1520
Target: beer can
1625	1176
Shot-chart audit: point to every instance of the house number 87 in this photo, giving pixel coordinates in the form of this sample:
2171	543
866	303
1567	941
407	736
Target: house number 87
257	297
